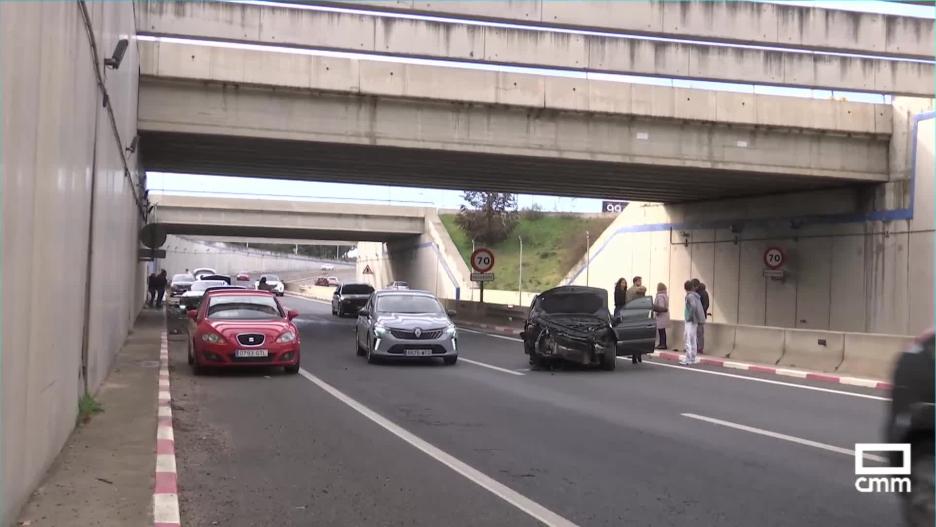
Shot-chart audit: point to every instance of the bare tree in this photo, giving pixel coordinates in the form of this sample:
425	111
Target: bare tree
488	217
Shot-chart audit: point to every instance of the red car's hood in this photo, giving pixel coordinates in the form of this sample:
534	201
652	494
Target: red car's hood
229	329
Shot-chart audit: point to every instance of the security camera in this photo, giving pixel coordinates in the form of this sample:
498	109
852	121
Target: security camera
114	60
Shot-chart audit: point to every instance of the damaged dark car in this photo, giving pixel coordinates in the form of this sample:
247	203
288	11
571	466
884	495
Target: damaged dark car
572	324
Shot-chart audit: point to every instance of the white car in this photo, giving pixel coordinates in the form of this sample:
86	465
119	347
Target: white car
191	298
327	267
273	283
202	271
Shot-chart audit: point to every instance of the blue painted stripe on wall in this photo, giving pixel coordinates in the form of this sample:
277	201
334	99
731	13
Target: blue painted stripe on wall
878	215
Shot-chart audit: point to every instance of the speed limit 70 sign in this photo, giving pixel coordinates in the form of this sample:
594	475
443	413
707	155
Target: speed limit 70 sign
482	260
774	257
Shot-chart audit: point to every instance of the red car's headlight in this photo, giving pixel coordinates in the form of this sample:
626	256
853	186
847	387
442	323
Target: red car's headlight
286	337
212	338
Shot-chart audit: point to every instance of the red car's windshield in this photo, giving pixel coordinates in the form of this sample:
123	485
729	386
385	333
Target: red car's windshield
243	307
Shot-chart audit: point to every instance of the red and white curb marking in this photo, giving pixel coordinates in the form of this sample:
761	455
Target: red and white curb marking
787	372
165	491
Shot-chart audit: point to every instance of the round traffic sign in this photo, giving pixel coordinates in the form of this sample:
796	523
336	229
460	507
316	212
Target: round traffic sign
482	260
774	257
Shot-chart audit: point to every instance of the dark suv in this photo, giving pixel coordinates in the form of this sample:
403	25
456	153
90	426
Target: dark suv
348	299
911	421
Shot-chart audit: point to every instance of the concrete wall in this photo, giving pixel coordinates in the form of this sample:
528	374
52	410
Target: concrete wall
429	261
182	254
846	271
69	269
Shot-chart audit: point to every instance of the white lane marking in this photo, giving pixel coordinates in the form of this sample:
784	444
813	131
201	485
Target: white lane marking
164	411
165	463
767	381
776	435
163	395
166	508
486	365
474	475
504	337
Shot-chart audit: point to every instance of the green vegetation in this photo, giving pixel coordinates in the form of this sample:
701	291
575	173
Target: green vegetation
552	244
88	406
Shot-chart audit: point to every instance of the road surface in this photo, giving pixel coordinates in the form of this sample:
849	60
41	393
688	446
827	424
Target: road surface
488	442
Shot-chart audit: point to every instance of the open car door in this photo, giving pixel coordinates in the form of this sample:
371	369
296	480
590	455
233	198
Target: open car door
635	327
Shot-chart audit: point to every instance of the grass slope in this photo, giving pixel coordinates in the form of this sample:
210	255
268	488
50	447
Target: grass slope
552	244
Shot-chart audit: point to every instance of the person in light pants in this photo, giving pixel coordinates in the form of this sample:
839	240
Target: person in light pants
694	315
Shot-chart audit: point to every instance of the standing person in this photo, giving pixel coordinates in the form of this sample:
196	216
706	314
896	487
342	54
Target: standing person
151	289
160	282
693	314
620	295
704	299
636	290
661	308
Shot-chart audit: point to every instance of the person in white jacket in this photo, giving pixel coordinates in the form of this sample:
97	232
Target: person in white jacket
661	308
694	315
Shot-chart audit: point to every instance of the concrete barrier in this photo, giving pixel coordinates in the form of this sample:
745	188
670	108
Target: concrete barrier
802	349
757	344
318	292
872	355
719	339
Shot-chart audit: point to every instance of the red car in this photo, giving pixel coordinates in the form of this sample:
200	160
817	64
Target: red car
236	328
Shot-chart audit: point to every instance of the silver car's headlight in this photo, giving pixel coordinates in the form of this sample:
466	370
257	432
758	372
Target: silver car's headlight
450	331
380	330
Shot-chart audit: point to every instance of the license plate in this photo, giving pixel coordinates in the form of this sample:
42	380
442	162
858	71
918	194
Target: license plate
418	353
245	354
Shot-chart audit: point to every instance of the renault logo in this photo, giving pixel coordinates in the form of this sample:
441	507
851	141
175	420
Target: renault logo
417	332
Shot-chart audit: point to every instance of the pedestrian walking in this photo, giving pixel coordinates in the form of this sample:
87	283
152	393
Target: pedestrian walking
160	282
636	290
151	289
661	308
692	315
620	295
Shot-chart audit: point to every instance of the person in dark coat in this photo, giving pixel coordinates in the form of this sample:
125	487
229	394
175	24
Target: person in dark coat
160	282
704	299
620	295
151	289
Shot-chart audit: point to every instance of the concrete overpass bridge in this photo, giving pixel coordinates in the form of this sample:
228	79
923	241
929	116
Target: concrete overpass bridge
288	220
410	242
290	112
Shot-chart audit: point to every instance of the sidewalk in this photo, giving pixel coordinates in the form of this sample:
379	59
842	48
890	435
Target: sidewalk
104	475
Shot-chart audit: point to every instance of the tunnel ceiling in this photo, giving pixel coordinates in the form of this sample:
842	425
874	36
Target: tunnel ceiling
382	165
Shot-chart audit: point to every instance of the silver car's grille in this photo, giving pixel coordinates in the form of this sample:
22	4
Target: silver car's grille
409	334
250	339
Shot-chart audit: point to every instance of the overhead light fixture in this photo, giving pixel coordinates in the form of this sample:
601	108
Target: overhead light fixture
120	49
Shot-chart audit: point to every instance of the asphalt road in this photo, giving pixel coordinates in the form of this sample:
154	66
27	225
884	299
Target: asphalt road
488	442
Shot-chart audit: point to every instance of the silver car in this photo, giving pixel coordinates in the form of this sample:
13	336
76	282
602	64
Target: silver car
405	324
